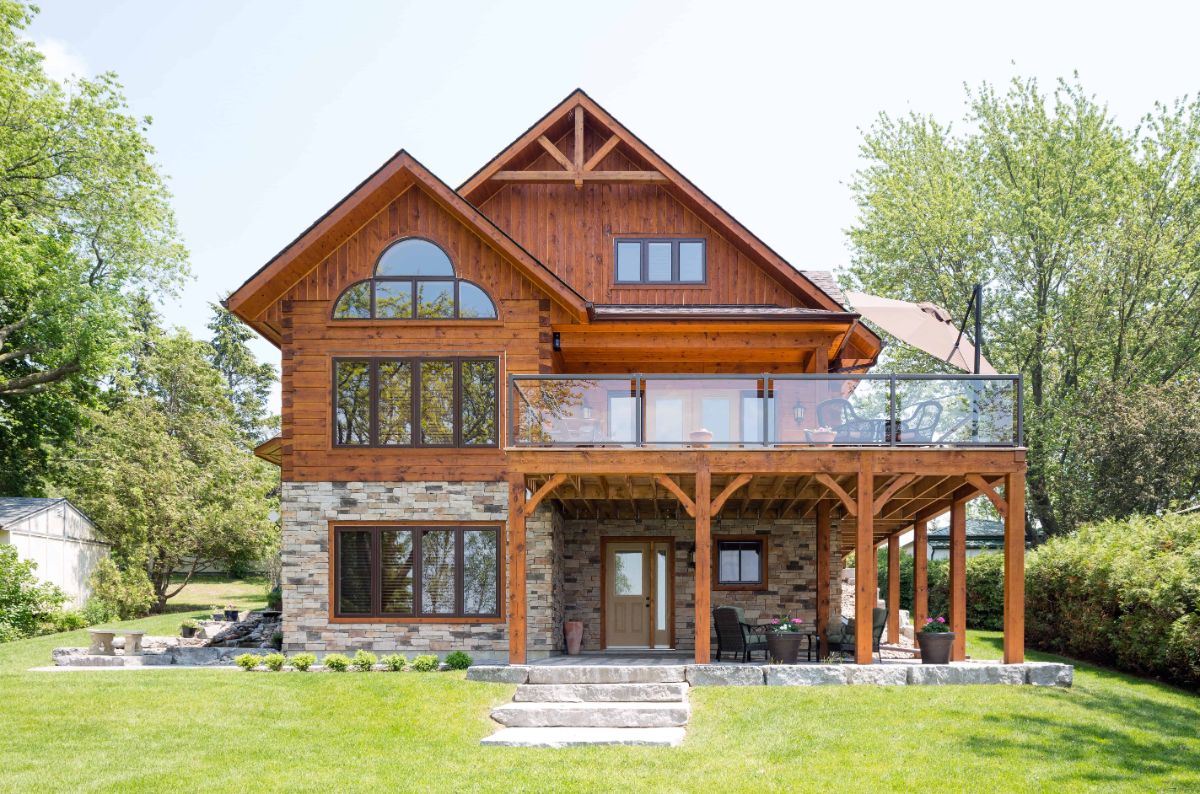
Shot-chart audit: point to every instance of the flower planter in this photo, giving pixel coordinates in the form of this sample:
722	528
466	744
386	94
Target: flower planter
783	647
822	438
231	615
187	632
701	437
574	632
935	646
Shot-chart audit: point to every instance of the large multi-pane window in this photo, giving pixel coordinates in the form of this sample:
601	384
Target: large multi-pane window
414	279
410	571
425	402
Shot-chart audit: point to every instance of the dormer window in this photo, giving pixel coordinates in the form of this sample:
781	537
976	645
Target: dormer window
659	260
414	280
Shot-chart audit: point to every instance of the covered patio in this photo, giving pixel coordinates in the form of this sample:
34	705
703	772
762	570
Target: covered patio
857	499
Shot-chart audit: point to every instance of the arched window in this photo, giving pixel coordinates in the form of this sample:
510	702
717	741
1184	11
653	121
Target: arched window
414	279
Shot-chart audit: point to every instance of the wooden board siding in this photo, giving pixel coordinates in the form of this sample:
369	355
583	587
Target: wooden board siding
572	232
519	338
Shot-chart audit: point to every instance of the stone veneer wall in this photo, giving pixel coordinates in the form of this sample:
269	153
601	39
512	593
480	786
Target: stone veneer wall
544	582
307	509
791	571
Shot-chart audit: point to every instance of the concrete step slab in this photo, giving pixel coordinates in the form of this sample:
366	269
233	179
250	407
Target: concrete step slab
592	715
575	737
607	674
600	693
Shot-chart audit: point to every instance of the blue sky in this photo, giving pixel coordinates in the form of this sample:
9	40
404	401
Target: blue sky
267	113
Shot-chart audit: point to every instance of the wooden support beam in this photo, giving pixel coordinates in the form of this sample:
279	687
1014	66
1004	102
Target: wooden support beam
920	574
632	501
893	488
734	484
517	510
864	561
1014	569
556	153
601	153
653	177
823	576
987	490
541	493
703	598
958	580
893	596
578	148
688	505
840	492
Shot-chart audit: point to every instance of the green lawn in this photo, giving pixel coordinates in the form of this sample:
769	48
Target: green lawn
168	730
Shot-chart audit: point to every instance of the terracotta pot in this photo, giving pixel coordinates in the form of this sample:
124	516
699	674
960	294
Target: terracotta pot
783	647
935	647
574	632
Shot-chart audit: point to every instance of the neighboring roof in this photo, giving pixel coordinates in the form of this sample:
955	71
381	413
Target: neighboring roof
271	450
17	508
976	528
321	238
762	312
692	196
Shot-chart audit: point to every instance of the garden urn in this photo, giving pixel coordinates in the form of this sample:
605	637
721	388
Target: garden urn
935	646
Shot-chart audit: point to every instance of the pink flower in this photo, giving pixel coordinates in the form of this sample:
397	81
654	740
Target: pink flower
928	621
941	619
775	621
797	621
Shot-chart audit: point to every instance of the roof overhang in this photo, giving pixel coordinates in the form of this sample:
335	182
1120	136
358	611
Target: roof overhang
329	231
271	450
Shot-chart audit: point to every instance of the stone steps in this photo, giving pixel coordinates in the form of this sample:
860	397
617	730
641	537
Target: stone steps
566	706
575	737
592	715
601	693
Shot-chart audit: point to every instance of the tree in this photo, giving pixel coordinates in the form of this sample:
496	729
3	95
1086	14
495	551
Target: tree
1084	234
165	473
247	381
25	601
84	225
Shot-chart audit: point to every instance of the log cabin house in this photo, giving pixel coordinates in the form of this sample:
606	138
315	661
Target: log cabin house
577	389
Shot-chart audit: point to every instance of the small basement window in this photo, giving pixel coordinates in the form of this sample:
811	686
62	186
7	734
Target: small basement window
741	563
659	260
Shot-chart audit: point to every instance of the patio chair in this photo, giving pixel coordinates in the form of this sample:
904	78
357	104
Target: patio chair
735	635
920	425
840	633
838	414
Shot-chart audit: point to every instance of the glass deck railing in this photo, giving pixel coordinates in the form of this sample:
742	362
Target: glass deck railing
765	410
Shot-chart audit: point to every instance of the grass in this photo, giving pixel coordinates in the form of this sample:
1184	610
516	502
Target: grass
222	730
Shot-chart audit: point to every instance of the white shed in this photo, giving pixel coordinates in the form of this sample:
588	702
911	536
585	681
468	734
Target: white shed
57	536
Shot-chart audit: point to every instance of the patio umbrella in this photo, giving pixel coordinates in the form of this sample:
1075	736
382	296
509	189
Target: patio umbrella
925	326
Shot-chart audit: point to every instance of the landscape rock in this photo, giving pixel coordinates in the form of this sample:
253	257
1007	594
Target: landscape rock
1049	674
724	675
804	675
878	674
498	674
929	674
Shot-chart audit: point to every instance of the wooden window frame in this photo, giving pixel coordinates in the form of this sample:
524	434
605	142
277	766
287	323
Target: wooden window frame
644	271
414	362
761	540
412	282
377	615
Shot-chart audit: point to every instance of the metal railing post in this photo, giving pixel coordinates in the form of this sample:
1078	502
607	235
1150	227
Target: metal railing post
893	429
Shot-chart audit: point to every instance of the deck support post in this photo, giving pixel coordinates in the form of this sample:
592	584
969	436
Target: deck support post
893	596
1014	569
920	574
516	570
703	502
865	580
958	580
823	575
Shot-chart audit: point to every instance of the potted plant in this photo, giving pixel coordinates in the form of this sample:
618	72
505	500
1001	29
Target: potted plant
187	629
701	437
783	639
935	639
822	436
217	612
231	613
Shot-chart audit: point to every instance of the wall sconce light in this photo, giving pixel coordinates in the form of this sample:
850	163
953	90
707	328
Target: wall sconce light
556	342
798	412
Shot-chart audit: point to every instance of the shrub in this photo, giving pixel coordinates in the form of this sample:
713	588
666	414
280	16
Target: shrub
985	587
277	640
364	660
274	661
424	664
119	594
26	603
69	620
458	661
337	663
275	598
395	662
248	661
1124	593
303	661
190	623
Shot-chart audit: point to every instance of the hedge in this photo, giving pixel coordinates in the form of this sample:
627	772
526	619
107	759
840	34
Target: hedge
985	587
1124	593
